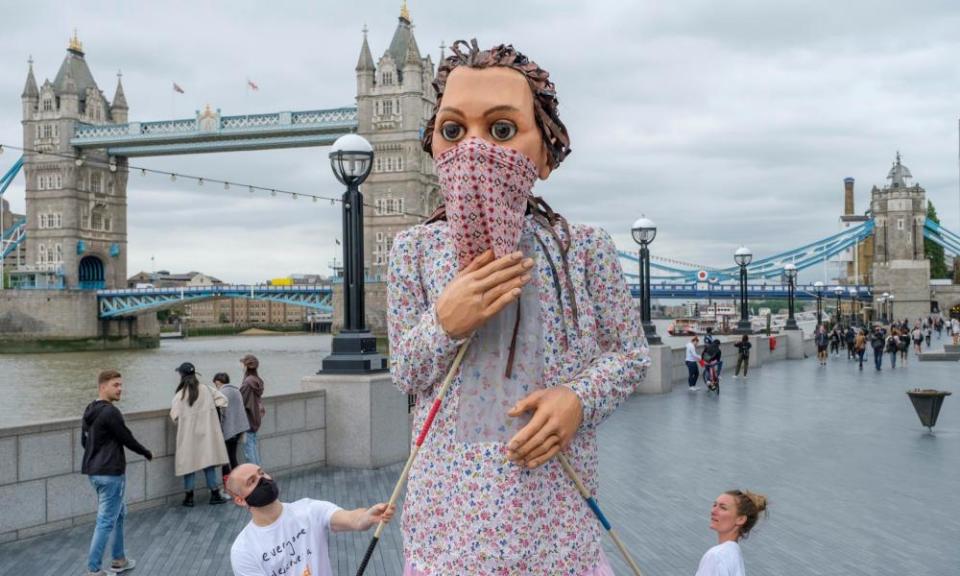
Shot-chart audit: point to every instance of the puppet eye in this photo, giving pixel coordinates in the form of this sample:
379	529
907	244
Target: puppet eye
503	130
451	131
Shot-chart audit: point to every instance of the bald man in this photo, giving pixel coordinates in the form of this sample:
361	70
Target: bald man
288	538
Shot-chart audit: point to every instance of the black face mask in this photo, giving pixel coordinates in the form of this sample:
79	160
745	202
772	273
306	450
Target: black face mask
264	494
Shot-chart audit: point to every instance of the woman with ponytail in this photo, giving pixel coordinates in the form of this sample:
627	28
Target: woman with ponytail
733	516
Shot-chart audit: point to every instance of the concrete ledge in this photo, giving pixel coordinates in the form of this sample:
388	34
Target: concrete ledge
42	489
939	356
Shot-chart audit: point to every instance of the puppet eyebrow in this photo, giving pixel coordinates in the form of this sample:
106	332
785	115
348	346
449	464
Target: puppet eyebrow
501	108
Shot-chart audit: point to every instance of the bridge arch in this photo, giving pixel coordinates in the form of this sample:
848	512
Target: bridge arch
91	274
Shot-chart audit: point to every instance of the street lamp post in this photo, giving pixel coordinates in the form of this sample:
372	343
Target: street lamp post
818	285
790	271
743	257
839	292
644	231
854	318
890	298
884	298
354	349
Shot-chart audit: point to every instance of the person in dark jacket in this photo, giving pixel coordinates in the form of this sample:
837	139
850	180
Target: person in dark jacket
743	355
252	391
233	419
104	435
878	342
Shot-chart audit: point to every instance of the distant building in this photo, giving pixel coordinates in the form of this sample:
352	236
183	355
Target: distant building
856	263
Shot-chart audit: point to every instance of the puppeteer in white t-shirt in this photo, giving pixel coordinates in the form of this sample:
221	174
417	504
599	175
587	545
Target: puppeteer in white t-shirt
722	560
288	539
294	545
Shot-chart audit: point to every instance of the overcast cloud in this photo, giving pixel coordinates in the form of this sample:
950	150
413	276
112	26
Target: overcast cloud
726	122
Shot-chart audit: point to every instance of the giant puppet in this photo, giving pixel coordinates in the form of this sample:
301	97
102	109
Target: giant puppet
555	340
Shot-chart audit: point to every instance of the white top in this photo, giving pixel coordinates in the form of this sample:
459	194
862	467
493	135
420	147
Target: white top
722	560
692	355
296	544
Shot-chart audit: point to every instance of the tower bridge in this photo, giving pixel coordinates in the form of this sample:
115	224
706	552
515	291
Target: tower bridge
77	142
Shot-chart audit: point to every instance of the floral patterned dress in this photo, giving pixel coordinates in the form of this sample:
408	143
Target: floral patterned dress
468	509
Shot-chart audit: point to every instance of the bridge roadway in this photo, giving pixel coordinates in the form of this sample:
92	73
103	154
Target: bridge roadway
857	487
133	301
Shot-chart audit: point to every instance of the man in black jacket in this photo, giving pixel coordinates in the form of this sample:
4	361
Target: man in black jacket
104	436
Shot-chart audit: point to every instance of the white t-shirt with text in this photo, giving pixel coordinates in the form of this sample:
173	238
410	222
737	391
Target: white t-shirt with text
722	560
294	545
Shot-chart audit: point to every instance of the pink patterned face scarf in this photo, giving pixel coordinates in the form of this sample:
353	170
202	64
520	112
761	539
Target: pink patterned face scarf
485	189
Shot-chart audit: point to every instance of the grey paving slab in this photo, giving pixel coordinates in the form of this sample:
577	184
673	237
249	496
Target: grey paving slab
856	485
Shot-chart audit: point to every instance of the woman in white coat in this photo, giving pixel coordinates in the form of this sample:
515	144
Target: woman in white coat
200	443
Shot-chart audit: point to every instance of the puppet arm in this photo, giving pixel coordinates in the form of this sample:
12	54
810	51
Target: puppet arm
420	350
613	375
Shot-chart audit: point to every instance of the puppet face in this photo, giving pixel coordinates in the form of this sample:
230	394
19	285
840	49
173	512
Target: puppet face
494	104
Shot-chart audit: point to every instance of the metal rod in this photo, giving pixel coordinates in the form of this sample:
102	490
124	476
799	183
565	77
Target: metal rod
424	430
592	503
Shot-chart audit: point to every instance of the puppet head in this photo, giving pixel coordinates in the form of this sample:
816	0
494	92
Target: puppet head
495	129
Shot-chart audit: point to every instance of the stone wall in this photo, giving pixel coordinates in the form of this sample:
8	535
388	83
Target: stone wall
42	489
760	354
67	320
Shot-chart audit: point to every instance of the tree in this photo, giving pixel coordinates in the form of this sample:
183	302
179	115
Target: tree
933	251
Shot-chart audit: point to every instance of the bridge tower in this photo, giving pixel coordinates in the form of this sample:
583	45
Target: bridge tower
76	207
394	102
899	264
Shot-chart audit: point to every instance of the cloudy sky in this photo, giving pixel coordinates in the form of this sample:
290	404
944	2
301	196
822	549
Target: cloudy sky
727	123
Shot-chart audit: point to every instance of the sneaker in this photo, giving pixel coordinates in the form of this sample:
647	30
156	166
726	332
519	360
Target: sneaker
118	566
693	388
98	573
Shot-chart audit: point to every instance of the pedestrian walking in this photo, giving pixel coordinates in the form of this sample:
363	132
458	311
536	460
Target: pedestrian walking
104	435
835	341
693	361
743	355
904	346
252	391
955	330
860	346
289	537
200	444
917	339
877	342
850	337
733	516
233	420
893	348
927	334
822	341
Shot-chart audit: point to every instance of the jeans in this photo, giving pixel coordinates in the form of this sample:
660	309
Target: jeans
743	361
251	453
893	359
878	357
860	354
693	372
189	480
111	510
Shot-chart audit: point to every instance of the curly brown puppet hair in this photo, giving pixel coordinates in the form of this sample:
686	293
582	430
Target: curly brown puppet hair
545	101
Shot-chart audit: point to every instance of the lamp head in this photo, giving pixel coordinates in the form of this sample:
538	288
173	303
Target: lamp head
790	271
351	158
743	256
643	230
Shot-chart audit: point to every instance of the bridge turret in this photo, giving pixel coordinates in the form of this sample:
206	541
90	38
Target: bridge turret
366	69
119	108
31	94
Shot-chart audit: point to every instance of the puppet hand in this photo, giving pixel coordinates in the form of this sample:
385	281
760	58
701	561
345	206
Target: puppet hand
480	291
557	414
379	513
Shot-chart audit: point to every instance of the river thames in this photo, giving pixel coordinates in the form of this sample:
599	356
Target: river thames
41	387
